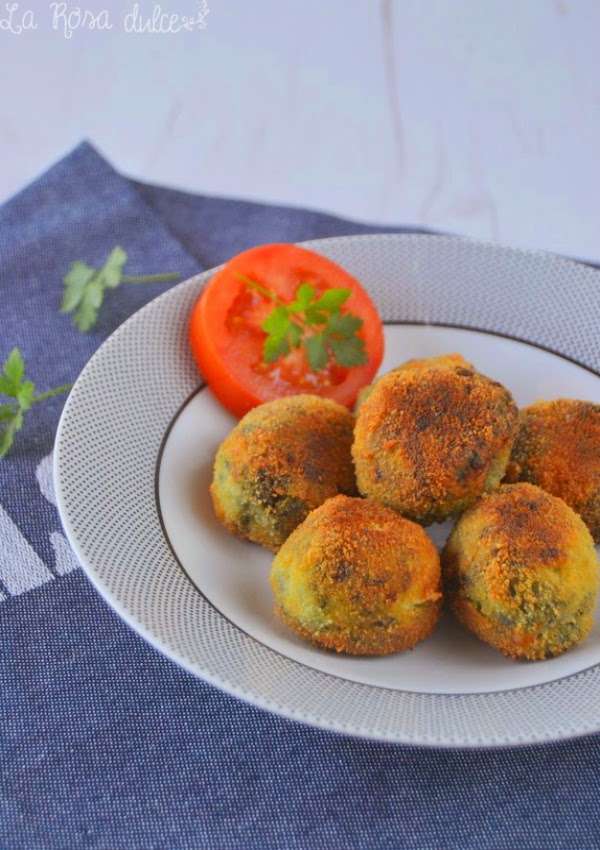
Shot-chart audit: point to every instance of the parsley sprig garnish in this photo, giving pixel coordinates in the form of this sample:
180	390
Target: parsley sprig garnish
21	394
85	287
313	322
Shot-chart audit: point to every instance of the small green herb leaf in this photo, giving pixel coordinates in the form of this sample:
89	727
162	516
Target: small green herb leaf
7	435
277	324
79	274
6	387
316	351
75	282
304	295
86	314
332	299
26	392
14	369
314	317
347	348
349	352
84	286
295	335
14	387
6	413
343	324
112	271
22	393
274	348
315	323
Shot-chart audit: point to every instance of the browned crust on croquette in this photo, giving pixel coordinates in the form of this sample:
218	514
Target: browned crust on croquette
443	361
528	647
365	642
429	440
359	561
285	458
520	572
558	448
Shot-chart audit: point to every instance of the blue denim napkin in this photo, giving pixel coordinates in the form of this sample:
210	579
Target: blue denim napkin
106	744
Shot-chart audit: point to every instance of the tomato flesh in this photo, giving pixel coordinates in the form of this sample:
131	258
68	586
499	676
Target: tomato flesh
227	337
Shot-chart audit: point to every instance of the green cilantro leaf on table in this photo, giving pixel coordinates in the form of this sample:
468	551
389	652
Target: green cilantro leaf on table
85	286
21	396
315	323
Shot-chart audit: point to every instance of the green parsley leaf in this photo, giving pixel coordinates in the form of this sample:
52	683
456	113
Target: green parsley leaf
84	286
277	325
14	369
348	352
313	317
7	387
7	435
22	396
112	271
295	336
75	281
26	392
274	348
316	351
347	348
12	385
332	299
343	324
6	413
86	314
304	295
315	323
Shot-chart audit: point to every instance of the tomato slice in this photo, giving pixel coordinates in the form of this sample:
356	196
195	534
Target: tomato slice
227	337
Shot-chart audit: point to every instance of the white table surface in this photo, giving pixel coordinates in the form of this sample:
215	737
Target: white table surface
479	117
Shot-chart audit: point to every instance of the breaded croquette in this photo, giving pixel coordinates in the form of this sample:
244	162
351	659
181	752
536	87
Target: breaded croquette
432	436
358	578
558	448
283	459
520	570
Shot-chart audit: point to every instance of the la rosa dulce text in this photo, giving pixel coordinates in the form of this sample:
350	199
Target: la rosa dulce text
68	19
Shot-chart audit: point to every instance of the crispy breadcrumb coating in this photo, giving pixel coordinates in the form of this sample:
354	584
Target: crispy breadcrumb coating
358	578
558	448
442	361
520	570
432	436
283	459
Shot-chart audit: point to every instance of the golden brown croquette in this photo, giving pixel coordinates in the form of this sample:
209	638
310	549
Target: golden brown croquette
432	437
283	459
558	448
356	577
520	570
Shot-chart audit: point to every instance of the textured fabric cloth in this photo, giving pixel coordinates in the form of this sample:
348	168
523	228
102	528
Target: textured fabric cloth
105	743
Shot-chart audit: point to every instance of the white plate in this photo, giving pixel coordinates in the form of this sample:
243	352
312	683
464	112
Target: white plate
133	460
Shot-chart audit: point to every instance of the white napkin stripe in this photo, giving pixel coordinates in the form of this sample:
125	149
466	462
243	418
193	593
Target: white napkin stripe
21	568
